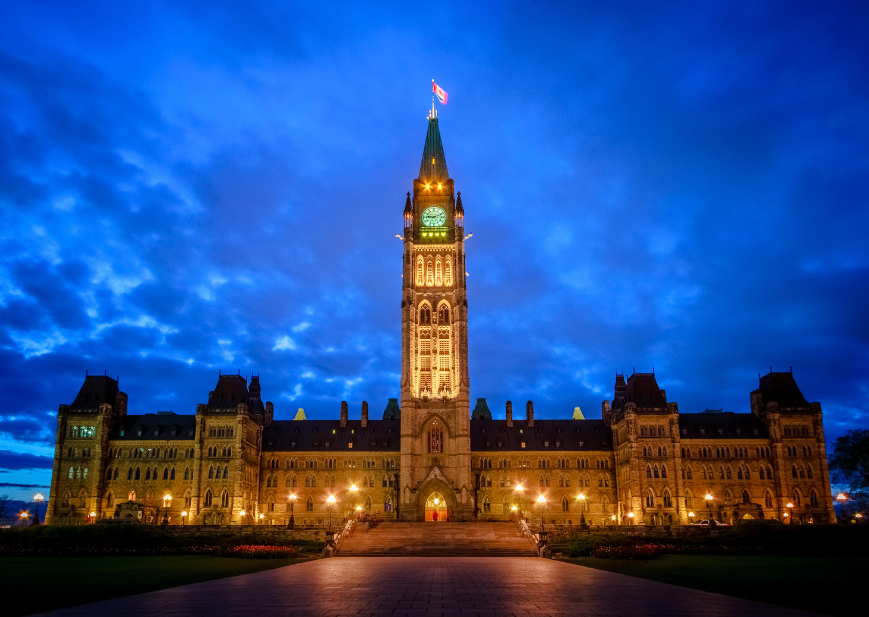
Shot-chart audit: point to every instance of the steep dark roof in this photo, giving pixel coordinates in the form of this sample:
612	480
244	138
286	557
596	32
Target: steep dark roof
732	426
95	391
561	436
156	427
433	151
330	436
392	411
232	390
481	411
641	389
782	389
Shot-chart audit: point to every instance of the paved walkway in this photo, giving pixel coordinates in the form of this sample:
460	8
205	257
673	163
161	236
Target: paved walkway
362	586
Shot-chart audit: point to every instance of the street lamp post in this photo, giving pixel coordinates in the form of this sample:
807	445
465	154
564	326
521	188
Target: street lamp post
292	523
167	502
329	503
631	517
841	498
184	517
519	489
789	515
261	516
242	514
38	499
24	516
691	517
581	499
709	500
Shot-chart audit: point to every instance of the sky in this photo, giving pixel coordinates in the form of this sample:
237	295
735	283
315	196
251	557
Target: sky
195	187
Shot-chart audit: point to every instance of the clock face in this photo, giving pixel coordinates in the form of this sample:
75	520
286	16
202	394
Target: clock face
434	217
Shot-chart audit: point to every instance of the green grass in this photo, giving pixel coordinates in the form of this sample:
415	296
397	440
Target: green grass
35	584
821	584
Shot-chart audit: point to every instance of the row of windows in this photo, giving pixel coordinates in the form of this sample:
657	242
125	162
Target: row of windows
81	431
272	481
75	453
151	453
726	473
331	463
797	431
647	430
649	451
221	431
795	450
485	481
436	272
222	452
545	463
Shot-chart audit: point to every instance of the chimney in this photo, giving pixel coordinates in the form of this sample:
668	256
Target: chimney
343	414
270	413
510	414
364	414
529	408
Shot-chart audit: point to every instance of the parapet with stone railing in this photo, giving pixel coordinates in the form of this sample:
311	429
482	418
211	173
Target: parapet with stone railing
334	546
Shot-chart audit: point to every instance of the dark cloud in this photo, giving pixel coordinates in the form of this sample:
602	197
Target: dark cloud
187	190
15	461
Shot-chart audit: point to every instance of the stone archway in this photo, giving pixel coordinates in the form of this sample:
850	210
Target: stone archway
446	506
435	508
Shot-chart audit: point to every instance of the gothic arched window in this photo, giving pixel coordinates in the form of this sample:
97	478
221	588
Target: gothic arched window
209	497
435	438
448	272
438	273
419	273
424	315
429	278
443	314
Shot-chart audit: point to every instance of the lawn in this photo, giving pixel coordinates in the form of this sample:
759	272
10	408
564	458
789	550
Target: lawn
821	584
35	584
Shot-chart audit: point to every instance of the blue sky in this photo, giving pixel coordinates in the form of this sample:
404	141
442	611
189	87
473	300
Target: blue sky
195	187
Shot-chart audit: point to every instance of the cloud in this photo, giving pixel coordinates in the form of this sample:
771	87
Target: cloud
15	461
207	192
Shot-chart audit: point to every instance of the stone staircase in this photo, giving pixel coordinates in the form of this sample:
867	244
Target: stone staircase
392	539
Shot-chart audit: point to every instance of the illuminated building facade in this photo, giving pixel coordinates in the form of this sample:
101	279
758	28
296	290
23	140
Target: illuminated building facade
429	457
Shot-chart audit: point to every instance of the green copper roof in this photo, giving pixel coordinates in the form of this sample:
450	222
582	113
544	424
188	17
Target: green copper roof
392	411
481	411
434	163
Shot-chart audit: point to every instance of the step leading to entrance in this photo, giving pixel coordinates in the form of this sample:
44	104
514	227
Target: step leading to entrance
392	539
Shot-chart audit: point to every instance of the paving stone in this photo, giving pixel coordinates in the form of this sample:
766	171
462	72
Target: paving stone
430	586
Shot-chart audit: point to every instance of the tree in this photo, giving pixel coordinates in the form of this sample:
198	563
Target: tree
850	460
5	508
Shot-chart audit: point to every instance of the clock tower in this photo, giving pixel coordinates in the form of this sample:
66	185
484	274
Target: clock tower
435	403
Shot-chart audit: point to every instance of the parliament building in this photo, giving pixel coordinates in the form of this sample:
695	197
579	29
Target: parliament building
430	456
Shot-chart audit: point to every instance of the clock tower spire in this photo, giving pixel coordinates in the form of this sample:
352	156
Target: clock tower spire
435	402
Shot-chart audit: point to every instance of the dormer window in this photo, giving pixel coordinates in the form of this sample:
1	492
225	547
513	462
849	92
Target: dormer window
139	433
702	431
545	444
684	431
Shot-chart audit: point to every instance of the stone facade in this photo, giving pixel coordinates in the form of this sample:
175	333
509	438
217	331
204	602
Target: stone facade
642	463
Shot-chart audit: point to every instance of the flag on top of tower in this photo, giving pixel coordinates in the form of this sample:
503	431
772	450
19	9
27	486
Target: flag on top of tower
439	92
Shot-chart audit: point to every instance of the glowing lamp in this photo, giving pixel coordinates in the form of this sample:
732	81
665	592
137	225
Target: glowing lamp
292	495
841	497
630	515
519	487
437	501
25	514
167	497
331	499
354	488
184	513
580	496
358	508
541	499
93	514
790	505
858	515
242	512
691	514
261	516
38	497
708	496
513	508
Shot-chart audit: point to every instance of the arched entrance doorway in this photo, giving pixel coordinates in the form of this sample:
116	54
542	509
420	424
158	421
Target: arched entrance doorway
436	508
